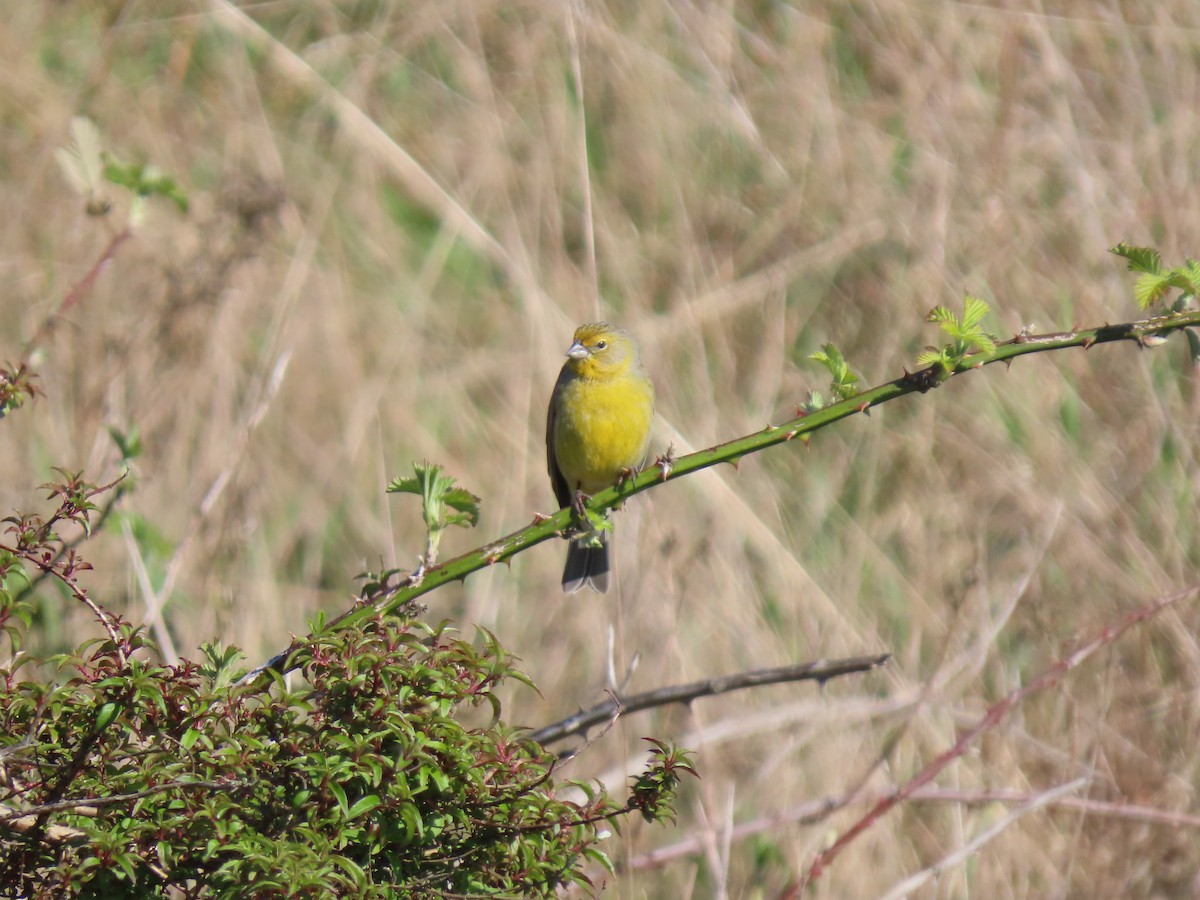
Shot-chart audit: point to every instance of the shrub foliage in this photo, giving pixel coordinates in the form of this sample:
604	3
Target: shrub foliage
127	778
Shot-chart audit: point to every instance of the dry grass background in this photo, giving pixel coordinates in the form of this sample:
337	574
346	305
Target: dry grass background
740	183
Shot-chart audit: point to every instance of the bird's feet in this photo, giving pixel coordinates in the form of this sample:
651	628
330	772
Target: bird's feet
578	502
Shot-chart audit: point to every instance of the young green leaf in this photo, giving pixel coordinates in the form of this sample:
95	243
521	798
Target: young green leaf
844	380
974	311
1140	259
942	315
145	181
442	503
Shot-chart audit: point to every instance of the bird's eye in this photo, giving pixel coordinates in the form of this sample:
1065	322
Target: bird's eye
600	345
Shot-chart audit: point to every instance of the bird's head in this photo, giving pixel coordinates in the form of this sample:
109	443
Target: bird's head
601	350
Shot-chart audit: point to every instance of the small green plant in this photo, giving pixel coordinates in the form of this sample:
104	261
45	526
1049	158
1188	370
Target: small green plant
654	792
966	335
443	504
843	384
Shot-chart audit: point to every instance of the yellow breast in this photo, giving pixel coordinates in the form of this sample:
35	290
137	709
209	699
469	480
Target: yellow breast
602	427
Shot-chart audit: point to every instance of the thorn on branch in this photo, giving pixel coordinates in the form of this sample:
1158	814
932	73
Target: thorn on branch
666	462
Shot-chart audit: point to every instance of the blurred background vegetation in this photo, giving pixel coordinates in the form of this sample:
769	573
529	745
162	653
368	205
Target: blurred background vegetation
400	211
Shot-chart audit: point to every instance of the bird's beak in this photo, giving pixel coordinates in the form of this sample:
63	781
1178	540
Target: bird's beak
578	351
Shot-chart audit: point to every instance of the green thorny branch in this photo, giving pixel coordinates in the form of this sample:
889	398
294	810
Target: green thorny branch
969	348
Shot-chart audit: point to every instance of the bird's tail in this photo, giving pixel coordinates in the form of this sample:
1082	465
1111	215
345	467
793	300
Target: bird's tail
587	565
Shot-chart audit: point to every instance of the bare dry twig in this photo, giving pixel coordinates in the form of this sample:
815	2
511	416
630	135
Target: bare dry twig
959	856
820	670
1048	678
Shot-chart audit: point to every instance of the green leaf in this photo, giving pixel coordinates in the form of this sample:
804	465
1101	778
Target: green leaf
411	818
831	357
436	491
599	522
942	315
412	485
340	793
1182	279
1150	288
974	312
129	444
1191	270
983	343
466	503
843	378
108	712
127	866
601	859
364	806
145	181
1140	259
353	869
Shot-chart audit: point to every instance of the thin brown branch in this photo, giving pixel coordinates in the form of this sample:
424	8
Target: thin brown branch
31	585
32	817
821	670
50	569
578	750
74	295
1047	679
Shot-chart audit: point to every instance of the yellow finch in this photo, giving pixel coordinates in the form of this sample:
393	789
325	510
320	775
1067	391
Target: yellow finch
597	430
